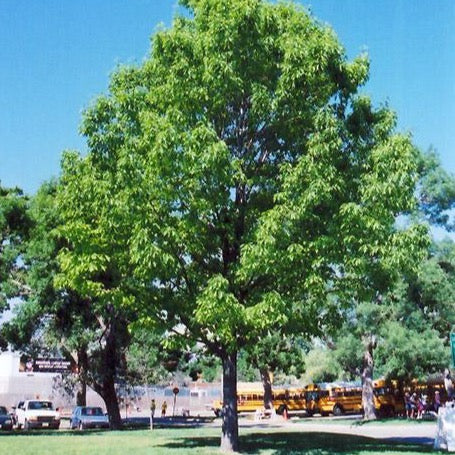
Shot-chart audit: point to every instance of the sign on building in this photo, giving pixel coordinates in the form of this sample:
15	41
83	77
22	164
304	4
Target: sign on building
45	365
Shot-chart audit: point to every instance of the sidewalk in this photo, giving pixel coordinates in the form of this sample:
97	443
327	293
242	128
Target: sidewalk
419	432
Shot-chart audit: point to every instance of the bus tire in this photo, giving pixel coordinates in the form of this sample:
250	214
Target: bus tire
281	409
337	410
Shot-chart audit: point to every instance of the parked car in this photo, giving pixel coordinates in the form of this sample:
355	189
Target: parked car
88	417
6	421
36	414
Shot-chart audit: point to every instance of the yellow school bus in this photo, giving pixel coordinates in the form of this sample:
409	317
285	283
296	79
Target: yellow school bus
388	398
252	399
336	399
345	398
389	395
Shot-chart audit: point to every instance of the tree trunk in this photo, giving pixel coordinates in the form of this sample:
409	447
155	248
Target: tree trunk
81	394
111	362
267	384
105	386
110	398
82	367
367	379
230	427
106	389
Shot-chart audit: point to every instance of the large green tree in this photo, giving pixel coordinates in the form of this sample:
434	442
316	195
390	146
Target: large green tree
234	181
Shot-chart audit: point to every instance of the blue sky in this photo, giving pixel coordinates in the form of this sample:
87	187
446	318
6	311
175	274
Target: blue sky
56	56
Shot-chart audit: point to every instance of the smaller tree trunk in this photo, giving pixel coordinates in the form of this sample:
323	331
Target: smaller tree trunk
230	428
106	385
110	398
367	379
267	384
82	366
106	389
81	394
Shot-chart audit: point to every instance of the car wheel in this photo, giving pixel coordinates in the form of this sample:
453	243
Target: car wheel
337	410
81	426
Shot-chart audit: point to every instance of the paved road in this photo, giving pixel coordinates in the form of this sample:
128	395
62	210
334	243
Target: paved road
423	433
418	432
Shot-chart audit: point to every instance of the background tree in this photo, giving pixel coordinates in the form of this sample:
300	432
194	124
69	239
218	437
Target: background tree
412	324
436	191
321	366
147	360
274	354
423	315
57	320
234	181
14	227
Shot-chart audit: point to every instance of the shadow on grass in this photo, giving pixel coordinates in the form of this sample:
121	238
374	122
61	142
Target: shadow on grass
57	433
307	443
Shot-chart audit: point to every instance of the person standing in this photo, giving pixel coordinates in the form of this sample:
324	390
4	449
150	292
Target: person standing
421	405
407	405
448	384
437	401
152	407
163	409
152	412
413	401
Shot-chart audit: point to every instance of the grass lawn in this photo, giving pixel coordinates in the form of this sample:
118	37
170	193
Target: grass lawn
196	441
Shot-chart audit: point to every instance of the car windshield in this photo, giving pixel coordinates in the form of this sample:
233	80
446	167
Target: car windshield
92	412
3	411
39	405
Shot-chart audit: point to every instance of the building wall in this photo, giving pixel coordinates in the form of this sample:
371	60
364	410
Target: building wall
16	386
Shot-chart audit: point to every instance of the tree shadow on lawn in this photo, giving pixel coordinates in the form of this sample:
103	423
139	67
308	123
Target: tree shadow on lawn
57	433
308	443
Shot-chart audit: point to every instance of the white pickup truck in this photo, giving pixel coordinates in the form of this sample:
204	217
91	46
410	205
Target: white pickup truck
36	414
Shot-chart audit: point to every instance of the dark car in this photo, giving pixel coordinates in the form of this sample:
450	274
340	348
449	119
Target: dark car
88	417
6	421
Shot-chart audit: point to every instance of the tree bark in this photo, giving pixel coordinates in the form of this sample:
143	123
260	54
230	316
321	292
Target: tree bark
81	394
230	427
110	398
367	379
105	386
106	389
82	367
267	384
